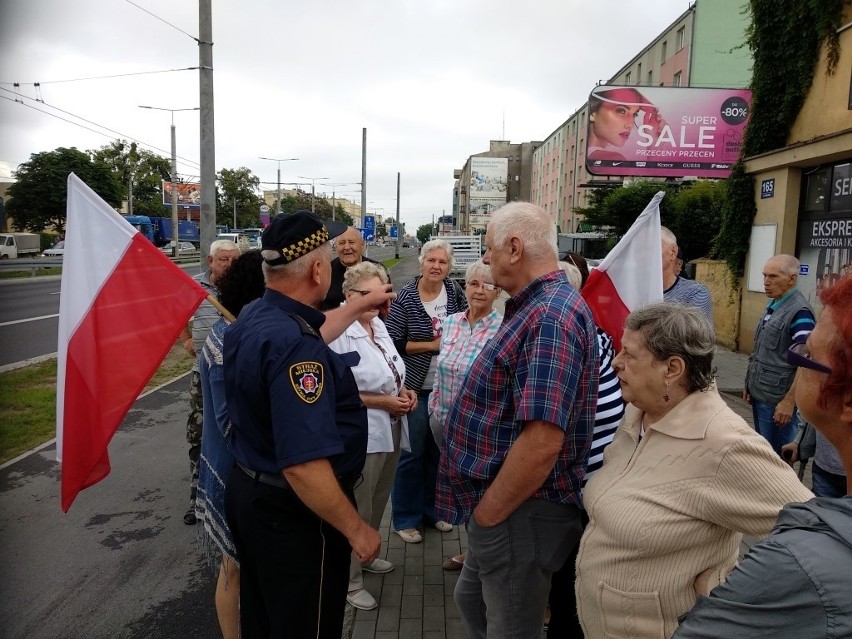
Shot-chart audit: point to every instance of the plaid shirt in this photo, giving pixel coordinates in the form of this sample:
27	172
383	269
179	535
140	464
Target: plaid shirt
541	365
460	344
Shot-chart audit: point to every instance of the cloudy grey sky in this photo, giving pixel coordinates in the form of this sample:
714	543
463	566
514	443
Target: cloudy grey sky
431	81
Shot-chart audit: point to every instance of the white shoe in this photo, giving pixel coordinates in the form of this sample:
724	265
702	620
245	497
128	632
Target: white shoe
379	566
443	526
362	600
410	535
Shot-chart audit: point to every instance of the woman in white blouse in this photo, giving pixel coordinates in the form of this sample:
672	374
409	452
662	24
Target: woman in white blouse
380	375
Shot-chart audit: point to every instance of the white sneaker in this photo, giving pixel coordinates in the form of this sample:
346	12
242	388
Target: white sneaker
362	600
443	526
379	566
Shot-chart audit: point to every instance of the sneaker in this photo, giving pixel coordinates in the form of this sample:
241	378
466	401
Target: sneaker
443	526
379	566
361	599
189	517
410	535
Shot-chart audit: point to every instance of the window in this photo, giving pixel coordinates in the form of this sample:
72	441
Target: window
676	79
639	74
650	78
627	78
663	52
679	38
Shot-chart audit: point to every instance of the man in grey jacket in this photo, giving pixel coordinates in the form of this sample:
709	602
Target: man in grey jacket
769	383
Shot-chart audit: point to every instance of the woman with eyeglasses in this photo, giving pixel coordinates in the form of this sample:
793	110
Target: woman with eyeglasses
380	374
463	337
682	480
795	583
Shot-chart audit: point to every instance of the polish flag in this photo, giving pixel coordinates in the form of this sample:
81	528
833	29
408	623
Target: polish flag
122	307
630	276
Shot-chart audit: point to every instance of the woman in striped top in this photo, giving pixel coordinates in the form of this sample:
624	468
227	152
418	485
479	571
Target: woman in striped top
415	323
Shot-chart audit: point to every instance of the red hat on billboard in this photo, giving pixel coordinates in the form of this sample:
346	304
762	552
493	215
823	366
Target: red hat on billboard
621	95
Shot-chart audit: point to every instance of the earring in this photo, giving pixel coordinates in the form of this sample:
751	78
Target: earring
666	397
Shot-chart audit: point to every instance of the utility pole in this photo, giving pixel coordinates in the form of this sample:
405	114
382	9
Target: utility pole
396	254
333	214
279	161
174	178
235	211
207	216
363	174
313	195
130	194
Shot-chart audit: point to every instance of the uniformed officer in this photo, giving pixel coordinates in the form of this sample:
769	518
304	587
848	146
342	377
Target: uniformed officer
299	436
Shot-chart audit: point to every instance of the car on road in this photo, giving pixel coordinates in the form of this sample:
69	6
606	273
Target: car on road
57	250
406	244
185	249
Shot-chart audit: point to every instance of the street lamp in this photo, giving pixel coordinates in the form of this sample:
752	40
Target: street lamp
175	251
279	160
312	179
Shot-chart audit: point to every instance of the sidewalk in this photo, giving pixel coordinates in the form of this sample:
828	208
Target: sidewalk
416	599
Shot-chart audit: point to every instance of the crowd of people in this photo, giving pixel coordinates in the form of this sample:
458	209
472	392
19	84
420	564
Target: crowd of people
603	492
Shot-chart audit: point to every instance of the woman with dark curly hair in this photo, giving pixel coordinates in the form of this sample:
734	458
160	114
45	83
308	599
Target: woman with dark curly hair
241	284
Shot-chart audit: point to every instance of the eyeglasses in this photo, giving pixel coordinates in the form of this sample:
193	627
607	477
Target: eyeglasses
798	355
483	285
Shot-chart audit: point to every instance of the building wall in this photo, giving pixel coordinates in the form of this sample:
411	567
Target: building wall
720	60
821	136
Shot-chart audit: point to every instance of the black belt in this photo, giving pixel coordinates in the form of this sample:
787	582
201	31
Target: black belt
347	482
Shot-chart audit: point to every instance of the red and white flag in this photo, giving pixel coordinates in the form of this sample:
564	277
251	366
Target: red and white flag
122	307
630	276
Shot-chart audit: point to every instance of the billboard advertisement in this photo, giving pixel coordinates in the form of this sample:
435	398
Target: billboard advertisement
665	131
189	194
487	189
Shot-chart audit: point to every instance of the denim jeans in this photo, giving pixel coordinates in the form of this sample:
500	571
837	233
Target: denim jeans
828	484
413	495
502	589
776	435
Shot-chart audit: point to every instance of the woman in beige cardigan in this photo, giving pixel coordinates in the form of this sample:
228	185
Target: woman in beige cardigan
682	480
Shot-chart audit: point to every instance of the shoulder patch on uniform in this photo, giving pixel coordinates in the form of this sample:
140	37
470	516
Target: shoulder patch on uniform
307	329
308	380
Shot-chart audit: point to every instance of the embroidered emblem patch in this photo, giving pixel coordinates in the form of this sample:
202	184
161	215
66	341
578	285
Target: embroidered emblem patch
307	380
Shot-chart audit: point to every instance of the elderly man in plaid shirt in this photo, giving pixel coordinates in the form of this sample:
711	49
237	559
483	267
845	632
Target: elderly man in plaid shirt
517	440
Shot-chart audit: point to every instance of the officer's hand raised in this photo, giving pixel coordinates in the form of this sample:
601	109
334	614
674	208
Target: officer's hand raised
379	299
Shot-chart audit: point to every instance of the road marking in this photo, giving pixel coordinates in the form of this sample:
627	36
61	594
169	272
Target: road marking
29	319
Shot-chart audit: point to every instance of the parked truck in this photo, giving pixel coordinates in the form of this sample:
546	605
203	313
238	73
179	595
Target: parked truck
159	229
14	245
466	250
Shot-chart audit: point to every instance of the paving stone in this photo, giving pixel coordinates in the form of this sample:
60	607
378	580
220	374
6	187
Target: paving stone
388	619
364	629
433	575
451	611
413	585
455	629
411	628
433	618
433	595
412	607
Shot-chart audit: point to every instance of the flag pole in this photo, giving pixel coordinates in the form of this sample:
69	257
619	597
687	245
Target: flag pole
222	310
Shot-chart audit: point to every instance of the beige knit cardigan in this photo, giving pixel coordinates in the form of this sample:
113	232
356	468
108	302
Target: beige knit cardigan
669	507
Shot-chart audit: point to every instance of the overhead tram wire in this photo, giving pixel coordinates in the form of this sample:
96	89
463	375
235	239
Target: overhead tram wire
185	161
99	77
154	15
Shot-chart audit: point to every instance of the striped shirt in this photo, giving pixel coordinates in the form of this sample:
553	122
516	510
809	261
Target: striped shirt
541	365
460	344
408	321
205	315
610	405
690	293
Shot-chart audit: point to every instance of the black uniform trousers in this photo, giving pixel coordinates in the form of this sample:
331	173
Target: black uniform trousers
294	567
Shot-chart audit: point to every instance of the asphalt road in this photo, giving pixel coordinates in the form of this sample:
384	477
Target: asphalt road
29	309
121	564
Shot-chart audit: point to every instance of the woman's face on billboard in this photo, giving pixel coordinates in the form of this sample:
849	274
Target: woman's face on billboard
613	123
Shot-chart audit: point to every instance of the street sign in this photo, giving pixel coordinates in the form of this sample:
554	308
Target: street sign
394	233
264	208
370	223
367	234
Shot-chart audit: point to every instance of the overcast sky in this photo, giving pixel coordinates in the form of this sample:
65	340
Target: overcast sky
431	81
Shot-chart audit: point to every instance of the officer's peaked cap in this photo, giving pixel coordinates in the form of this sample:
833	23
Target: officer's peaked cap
293	235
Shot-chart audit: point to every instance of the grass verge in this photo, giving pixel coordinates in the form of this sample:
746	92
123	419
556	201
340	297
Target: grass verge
391	262
39	272
28	401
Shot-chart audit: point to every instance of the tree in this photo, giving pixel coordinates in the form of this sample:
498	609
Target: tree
301	201
697	208
424	232
38	199
148	170
238	188
613	210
